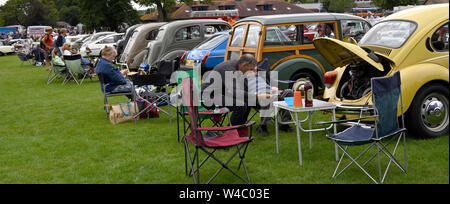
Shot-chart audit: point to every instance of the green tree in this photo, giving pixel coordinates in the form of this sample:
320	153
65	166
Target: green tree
14	12
71	14
389	4
107	13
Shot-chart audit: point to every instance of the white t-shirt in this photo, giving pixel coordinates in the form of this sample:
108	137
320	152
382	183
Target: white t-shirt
67	53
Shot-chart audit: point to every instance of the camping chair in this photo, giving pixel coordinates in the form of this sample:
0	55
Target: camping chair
155	99
73	64
103	86
216	138
56	72
386	92
23	57
216	116
159	79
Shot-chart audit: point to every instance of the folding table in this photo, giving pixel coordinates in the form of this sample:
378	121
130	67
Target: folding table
318	105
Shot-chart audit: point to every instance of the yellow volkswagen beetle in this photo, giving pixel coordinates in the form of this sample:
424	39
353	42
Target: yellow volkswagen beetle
414	42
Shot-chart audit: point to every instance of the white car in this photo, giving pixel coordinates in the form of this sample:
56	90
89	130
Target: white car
6	49
93	48
95	37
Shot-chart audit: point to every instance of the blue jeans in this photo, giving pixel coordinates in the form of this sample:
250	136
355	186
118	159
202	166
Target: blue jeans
84	62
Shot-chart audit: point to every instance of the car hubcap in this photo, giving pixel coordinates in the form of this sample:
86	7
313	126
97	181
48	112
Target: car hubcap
434	112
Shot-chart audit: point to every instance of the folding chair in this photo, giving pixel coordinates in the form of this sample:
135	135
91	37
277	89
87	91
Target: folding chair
23	57
56	72
73	64
103	86
156	98
216	116
216	138
386	92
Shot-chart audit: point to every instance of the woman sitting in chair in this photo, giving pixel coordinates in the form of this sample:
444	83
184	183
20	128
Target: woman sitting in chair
67	51
111	75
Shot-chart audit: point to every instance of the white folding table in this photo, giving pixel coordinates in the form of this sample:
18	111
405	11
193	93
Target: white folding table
318	105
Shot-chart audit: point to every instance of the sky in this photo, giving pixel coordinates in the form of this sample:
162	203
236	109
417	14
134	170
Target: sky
134	4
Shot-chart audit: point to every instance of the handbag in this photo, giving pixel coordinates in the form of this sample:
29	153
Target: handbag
122	112
150	110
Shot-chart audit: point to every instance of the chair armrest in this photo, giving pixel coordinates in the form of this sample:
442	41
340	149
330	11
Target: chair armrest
344	121
226	128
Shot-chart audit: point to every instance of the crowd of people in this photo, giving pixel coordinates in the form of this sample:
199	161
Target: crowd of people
51	47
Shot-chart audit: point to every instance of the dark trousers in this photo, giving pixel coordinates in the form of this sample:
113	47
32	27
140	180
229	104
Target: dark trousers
239	115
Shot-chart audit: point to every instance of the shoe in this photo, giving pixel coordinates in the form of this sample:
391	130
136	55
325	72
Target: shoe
262	130
286	128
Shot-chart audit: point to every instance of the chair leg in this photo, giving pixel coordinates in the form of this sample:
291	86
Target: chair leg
355	162
106	107
225	165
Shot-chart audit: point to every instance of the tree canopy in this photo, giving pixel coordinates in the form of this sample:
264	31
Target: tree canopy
94	14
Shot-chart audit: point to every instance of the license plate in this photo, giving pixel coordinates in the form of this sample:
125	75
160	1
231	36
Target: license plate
189	63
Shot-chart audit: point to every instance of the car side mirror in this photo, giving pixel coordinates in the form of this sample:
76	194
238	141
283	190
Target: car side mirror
351	40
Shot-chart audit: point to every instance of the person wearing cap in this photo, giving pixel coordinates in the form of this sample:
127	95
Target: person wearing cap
47	44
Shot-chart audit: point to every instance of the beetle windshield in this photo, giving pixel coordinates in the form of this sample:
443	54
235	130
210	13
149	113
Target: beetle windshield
391	34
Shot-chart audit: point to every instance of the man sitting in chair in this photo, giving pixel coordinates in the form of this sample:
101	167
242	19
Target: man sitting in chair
258	84
112	75
237	97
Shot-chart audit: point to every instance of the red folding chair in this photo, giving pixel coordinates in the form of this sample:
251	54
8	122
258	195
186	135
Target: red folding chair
215	138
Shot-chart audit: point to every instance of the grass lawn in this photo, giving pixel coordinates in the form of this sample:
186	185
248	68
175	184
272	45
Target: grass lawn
59	134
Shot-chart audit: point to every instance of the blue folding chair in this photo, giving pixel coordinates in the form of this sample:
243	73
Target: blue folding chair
386	92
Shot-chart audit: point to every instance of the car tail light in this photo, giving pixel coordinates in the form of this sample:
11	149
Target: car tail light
183	57
205	58
330	78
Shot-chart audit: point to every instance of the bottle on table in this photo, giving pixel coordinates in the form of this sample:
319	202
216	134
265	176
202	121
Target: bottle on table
309	93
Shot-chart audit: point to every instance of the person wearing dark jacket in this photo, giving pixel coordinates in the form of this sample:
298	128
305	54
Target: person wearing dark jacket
235	95
111	75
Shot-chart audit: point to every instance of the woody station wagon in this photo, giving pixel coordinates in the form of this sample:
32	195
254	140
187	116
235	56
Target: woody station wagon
286	41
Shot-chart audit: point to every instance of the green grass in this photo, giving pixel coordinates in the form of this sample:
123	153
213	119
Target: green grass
59	134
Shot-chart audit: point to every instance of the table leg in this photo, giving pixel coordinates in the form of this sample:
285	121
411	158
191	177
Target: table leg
336	149
297	125
310	127
276	129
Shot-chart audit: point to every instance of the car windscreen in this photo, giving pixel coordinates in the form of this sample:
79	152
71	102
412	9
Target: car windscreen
161	33
212	42
391	34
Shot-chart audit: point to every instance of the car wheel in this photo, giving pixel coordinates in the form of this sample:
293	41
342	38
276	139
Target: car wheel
428	115
301	79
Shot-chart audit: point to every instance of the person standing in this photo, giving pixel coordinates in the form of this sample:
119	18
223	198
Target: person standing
47	44
61	40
